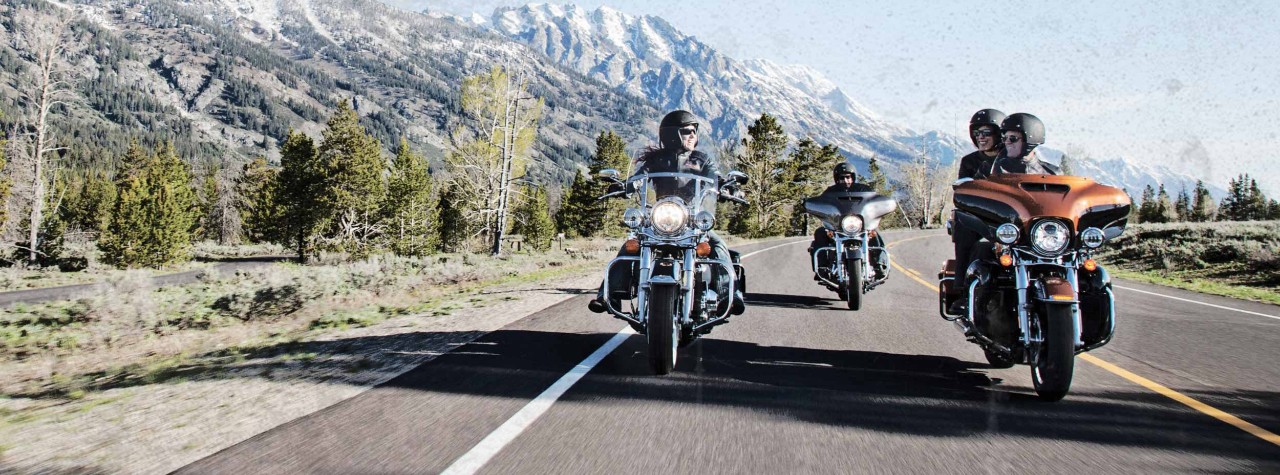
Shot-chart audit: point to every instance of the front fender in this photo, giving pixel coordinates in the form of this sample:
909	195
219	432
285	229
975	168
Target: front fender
1057	291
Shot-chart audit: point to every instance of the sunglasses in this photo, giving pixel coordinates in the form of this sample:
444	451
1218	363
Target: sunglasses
1012	139
688	131
983	133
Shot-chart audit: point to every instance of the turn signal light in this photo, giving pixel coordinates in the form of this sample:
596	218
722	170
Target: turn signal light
704	249
1061	297
1090	265
831	234
873	234
632	246
1006	260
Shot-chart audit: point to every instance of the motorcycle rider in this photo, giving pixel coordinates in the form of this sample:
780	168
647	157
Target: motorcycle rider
1021	134
984	131
678	139
846	180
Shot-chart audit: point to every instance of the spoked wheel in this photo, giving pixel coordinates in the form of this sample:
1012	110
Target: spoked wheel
853	293
1054	364
661	329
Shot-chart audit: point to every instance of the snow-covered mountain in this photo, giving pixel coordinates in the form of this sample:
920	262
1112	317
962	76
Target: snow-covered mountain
645	55
1131	176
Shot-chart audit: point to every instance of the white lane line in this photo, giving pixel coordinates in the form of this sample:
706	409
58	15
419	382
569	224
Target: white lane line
772	248
479	455
1196	302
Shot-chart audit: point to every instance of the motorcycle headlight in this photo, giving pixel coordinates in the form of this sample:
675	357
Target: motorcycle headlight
704	220
851	224
1092	238
1050	237
633	218
1007	233
668	217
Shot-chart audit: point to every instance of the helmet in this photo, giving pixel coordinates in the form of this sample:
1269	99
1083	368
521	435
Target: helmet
843	169
989	117
669	128
1030	126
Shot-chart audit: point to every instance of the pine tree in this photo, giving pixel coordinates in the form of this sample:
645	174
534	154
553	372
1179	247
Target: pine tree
530	219
572	218
1164	211
409	212
606	216
1148	210
87	208
351	166
1273	210
257	187
155	211
1183	206
1203	208
1256	207
1235	206
4	182
298	191
455	229
767	189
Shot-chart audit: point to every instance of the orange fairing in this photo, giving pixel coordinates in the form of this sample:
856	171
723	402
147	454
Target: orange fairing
1035	196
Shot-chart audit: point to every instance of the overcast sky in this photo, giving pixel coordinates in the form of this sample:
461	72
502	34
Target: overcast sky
1192	85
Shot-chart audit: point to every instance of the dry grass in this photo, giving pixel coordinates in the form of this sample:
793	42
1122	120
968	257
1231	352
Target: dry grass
1237	259
130	330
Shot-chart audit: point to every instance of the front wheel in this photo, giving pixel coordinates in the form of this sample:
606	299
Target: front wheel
854	293
1055	362
661	329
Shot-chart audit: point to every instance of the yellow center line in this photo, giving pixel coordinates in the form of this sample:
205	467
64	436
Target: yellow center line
1144	382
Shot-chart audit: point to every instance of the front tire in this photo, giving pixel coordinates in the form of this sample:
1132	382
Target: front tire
1052	371
854	293
661	329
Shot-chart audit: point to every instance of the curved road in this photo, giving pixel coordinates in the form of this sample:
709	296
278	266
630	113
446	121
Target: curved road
799	384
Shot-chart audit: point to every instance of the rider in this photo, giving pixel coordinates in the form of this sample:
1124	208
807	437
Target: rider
678	136
984	131
846	180
1022	133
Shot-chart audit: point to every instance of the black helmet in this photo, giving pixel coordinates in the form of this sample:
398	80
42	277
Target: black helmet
1030	126
669	128
843	169
990	117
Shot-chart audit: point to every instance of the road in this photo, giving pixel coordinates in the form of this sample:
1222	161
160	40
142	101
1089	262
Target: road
65	292
799	384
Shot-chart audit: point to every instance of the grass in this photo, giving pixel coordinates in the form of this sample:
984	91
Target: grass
1232	259
132	334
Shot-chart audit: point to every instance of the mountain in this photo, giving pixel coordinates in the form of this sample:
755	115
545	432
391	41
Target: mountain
645	55
1131	176
231	77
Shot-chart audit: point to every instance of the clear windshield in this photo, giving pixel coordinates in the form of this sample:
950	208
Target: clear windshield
696	191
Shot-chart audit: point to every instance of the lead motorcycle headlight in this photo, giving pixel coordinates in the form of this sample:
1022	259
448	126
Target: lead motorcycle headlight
704	220
851	224
633	218
1007	233
668	217
1092	238
1050	237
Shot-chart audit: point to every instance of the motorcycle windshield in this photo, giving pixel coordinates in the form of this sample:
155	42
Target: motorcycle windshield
831	207
696	192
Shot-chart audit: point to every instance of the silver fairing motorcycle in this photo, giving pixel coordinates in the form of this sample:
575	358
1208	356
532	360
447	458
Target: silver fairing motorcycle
680	289
851	219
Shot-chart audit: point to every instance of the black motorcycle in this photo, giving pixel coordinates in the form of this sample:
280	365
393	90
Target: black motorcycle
852	265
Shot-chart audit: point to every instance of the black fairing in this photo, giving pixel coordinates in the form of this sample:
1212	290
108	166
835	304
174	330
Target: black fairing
1109	218
989	210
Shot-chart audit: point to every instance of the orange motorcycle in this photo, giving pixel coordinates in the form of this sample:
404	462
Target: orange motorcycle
1035	294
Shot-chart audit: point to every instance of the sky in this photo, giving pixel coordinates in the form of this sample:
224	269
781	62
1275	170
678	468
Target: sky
1191	85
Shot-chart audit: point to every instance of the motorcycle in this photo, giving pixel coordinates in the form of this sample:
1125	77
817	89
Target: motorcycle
850	219
681	291
1035	294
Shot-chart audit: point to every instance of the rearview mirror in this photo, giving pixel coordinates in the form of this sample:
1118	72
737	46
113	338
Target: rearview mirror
738	177
609	173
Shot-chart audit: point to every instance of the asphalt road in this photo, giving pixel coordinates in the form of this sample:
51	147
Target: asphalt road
799	384
65	292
